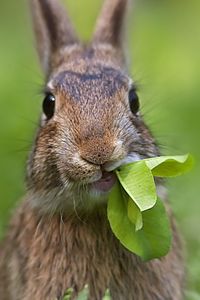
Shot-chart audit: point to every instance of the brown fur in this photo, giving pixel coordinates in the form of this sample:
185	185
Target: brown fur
60	236
52	254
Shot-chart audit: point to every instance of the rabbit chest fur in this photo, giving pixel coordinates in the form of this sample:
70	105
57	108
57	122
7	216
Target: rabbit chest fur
59	237
46	255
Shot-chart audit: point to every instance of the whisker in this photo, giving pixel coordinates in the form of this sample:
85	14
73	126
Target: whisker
38	227
76	212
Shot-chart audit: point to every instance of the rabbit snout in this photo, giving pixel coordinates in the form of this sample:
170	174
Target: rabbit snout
97	150
92	157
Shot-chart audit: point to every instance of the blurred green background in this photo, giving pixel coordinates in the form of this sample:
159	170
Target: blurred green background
164	39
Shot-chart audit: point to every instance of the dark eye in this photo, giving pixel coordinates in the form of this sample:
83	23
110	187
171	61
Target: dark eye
49	105
133	101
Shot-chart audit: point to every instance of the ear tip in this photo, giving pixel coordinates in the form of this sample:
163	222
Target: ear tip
110	22
53	29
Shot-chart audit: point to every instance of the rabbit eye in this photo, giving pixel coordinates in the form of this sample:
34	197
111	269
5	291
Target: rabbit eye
49	106
133	101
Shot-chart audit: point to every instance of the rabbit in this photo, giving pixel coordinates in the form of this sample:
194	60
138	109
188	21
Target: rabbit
59	236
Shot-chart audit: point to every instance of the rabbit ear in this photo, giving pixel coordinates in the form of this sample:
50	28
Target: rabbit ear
53	29
110	23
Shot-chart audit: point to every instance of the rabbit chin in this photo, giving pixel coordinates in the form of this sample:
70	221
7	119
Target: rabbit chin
78	200
75	198
82	196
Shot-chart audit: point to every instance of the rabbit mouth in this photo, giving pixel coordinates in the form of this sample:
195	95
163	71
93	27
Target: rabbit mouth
105	183
108	178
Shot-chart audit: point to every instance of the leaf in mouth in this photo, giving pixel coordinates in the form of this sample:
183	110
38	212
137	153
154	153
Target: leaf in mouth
137	216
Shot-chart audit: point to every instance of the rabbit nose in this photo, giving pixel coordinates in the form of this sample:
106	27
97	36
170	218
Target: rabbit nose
96	151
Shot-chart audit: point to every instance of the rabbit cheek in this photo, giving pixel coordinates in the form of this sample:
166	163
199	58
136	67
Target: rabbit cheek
43	171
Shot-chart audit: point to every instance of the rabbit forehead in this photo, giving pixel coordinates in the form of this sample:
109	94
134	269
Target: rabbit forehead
91	82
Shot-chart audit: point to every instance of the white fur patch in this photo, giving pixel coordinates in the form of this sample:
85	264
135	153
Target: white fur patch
132	157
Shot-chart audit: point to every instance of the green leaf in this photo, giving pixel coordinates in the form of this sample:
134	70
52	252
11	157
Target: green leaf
137	180
134	214
68	294
107	295
170	166
156	231
120	224
84	294
153	240
136	218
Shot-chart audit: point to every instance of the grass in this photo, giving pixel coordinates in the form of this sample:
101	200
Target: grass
164	46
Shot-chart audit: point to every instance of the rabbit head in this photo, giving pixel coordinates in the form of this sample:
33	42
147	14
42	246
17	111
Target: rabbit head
91	122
